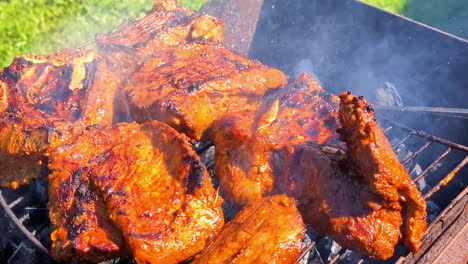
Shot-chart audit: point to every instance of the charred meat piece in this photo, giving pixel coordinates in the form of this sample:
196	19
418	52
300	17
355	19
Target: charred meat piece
373	156
357	192
191	85
154	187
168	24
270	230
335	204
302	113
45	102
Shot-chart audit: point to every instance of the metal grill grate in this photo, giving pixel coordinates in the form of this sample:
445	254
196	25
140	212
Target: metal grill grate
206	152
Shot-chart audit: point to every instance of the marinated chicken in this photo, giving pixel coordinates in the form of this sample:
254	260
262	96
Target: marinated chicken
144	181
268	231
365	201
191	85
45	102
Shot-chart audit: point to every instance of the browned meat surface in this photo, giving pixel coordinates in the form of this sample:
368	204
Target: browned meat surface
378	165
357	193
168	24
304	113
268	231
191	85
336	205
144	180
45	102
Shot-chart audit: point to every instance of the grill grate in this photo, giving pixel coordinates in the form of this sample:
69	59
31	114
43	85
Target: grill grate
206	152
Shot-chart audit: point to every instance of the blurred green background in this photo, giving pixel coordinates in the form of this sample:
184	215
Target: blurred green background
44	26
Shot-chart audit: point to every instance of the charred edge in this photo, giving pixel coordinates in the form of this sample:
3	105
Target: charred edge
66	72
76	178
12	75
119	193
179	19
194	86
100	158
90	73
194	180
146	236
46	108
95	126
369	108
122	212
201	40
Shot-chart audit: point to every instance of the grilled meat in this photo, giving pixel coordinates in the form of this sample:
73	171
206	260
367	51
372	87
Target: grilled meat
334	204
191	85
303	113
351	192
270	230
45	102
378	165
154	187
168	24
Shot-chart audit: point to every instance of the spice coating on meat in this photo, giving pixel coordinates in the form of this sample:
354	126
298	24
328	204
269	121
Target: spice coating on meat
373	156
270	230
335	204
303	113
191	85
46	101
345	191
155	189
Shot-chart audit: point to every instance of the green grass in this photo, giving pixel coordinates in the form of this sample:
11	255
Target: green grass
394	6
45	26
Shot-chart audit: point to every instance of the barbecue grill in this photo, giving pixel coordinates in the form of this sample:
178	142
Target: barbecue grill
347	45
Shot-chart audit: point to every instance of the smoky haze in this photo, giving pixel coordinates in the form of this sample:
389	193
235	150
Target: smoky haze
350	46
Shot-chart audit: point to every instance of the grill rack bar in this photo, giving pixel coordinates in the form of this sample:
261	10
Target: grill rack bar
20	225
333	259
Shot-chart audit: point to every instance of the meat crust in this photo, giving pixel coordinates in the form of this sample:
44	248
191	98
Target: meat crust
270	230
191	85
47	101
154	187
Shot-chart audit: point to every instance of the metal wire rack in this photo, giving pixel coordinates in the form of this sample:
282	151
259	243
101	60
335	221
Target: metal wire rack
407	135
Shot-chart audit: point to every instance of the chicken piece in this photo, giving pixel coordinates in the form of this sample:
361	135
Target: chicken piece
45	102
168	24
191	85
154	188
270	230
357	193
302	113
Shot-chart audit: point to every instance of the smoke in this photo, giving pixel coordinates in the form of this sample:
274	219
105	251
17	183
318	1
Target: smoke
350	46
